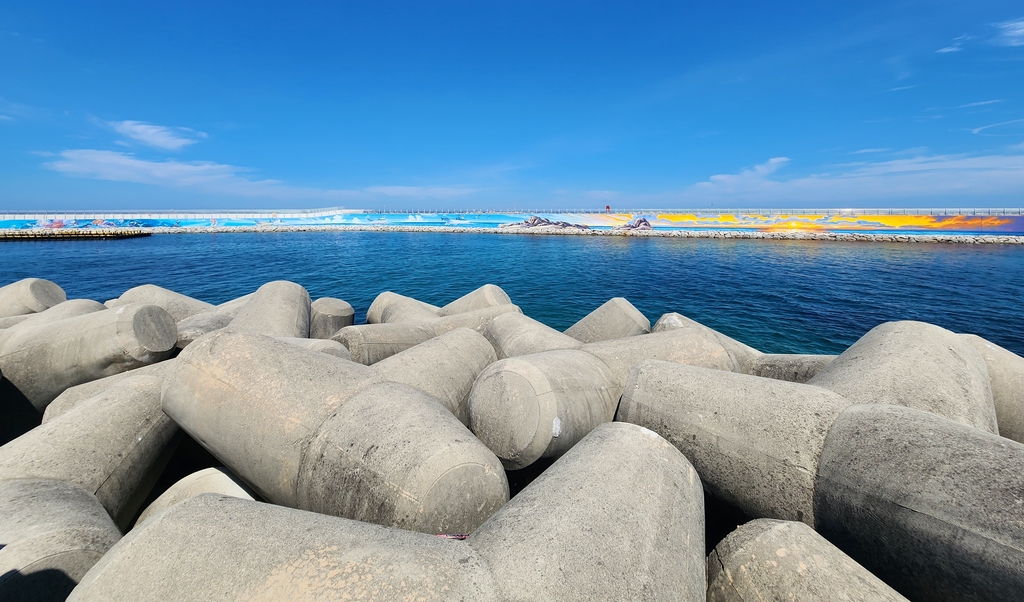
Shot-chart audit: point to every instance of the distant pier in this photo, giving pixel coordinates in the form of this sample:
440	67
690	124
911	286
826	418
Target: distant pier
90	234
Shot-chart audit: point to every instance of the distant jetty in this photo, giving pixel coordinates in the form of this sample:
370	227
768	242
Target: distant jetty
44	234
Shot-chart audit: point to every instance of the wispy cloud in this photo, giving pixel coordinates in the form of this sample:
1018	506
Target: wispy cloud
865	151
898	88
981	104
994	125
6	118
947	49
938	176
218	178
157	136
1010	33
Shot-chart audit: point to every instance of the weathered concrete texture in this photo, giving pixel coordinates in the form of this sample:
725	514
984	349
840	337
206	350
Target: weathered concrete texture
392	307
262	407
755	441
329	315
417	468
113	445
619	518
782	560
1006	379
12	320
79	393
930	506
178	305
791	367
217	480
323	346
276	309
540	405
487	295
112	303
28	296
916	365
52	534
61	311
371	343
444	367
232	307
743	355
616	319
515	334
196	326
45	360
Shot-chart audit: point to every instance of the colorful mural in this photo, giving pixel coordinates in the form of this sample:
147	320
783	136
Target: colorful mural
860	222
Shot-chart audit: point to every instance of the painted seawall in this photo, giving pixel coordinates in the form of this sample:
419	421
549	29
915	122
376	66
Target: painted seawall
960	221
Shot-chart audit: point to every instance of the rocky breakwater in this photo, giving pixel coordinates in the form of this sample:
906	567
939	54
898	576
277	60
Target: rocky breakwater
190	451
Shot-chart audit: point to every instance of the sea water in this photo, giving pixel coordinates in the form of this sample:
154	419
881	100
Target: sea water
778	296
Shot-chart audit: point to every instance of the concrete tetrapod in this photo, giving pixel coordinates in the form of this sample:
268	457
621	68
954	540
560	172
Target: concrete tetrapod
276	309
114	446
782	560
538	406
52	534
792	367
1006	378
929	505
616	319
329	315
45	360
178	305
916	365
392	307
196	326
217	480
515	334
315	432
29	296
743	354
322	345
79	393
232	307
618	518
370	343
754	441
61	311
487	295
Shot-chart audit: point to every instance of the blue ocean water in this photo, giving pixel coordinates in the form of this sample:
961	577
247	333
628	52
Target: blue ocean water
777	296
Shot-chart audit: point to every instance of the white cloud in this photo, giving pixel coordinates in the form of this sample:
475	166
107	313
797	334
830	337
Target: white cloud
981	104
6	118
929	177
993	125
865	151
157	136
947	49
1011	33
421	192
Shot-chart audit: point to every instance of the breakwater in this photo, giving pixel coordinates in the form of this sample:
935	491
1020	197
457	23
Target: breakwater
465	450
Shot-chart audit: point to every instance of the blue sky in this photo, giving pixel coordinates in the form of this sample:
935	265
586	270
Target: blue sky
495	105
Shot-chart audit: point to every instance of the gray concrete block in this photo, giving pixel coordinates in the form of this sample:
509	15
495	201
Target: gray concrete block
930	506
538	406
392	307
178	305
514	334
45	360
276	309
743	355
28	296
444	367
371	343
916	365
782	560
196	326
616	319
1006	379
79	393
791	367
323	346
52	534
618	518
112	303
477	320
61	311
217	480
114	446
487	295
260	406
232	307
394	456
329	315
754	441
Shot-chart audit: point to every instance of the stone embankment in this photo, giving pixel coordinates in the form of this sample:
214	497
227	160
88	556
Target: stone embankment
159	447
